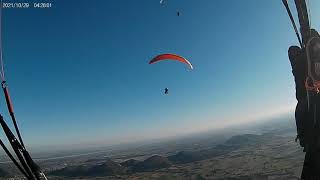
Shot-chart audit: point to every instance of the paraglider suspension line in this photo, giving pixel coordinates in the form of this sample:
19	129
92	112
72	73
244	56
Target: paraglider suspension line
285	3
13	159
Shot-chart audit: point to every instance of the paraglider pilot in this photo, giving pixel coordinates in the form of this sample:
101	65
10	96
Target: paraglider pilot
166	91
307	132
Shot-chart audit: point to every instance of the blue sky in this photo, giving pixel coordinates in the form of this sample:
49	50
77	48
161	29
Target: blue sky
78	72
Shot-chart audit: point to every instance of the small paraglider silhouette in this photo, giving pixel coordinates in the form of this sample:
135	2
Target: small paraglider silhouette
166	91
178	13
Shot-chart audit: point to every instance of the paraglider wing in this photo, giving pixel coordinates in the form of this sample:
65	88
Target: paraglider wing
170	57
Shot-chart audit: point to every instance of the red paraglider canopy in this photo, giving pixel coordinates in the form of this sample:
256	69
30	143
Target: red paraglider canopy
170	57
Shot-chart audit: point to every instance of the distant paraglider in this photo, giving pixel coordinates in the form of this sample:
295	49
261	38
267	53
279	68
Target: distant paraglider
173	57
162	3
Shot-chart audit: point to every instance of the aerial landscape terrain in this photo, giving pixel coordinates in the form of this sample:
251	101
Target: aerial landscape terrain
261	151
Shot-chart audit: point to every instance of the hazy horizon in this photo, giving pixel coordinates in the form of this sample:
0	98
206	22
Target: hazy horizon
92	146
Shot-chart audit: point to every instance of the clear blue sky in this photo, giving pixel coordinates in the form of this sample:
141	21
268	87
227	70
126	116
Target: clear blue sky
79	72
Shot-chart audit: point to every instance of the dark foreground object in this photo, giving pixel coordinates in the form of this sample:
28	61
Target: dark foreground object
306	115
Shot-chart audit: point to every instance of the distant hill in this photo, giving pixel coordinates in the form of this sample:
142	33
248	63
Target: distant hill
105	169
246	139
71	171
231	144
130	163
153	163
97	160
185	157
108	167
